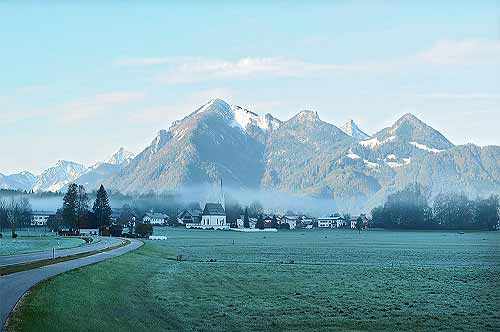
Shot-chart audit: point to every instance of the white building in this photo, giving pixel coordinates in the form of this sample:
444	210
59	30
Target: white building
155	218
335	221
290	220
213	217
40	218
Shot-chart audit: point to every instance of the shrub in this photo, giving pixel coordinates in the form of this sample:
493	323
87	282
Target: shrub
144	230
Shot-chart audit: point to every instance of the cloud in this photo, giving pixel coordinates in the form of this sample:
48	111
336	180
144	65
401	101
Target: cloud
199	69
462	96
176	70
90	106
461	52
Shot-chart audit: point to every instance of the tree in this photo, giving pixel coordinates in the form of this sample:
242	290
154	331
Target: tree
82	206
255	209
274	222
260	222
54	223
246	220
487	212
359	224
102	209
126	215
4	222
69	209
18	213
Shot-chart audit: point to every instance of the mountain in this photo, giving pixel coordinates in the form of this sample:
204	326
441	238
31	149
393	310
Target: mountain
303	155
56	177
120	157
216	141
19	181
352	129
97	174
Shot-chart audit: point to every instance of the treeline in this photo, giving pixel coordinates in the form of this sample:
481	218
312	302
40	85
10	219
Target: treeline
76	213
409	209
15	213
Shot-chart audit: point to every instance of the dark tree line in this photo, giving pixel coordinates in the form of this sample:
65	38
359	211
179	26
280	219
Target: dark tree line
75	213
409	209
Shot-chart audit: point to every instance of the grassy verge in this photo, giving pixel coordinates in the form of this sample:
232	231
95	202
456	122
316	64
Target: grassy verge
33	265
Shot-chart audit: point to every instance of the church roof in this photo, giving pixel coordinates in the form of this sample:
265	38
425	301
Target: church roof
213	209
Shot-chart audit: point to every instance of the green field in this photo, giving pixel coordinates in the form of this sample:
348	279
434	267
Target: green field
338	281
32	241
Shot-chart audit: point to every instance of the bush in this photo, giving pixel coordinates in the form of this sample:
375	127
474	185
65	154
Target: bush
144	230
116	230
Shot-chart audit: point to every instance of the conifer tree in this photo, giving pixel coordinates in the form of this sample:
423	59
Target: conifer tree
69	210
260	222
101	208
246	221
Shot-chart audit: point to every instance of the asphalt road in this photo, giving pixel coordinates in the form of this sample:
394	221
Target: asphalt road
13	286
37	256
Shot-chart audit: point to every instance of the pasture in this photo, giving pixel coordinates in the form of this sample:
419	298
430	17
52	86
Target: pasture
302	280
35	240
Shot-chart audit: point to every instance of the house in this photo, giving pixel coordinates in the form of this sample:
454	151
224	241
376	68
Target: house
212	217
268	221
40	218
251	222
354	220
189	217
290	220
159	219
333	221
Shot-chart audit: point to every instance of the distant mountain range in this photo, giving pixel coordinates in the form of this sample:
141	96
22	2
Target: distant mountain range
303	155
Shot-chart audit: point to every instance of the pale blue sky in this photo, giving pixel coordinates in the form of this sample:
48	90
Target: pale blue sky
80	80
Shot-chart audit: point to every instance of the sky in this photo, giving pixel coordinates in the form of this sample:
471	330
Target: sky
80	80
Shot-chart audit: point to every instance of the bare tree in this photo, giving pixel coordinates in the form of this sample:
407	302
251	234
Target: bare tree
18	213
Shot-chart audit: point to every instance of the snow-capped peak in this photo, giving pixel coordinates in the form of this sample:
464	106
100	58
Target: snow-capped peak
54	178
351	129
122	156
245	118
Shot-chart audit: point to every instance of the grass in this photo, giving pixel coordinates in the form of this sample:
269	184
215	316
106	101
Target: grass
339	281
4	270
34	241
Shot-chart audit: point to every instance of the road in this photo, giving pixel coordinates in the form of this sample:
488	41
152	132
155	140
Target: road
40	255
13	286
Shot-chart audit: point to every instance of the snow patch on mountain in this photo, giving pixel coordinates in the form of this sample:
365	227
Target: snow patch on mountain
352	155
374	142
120	157
425	147
393	164
352	129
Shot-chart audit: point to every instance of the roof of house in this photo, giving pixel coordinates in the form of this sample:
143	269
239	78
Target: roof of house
213	209
192	213
43	213
156	215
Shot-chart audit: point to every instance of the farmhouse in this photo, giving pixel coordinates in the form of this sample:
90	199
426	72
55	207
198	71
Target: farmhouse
290	220
333	221
354	221
189	217
155	218
40	218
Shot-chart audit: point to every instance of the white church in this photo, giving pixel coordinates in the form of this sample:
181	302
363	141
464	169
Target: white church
214	214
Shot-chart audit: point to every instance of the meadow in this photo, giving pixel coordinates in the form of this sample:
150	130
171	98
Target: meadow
35	240
315	280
